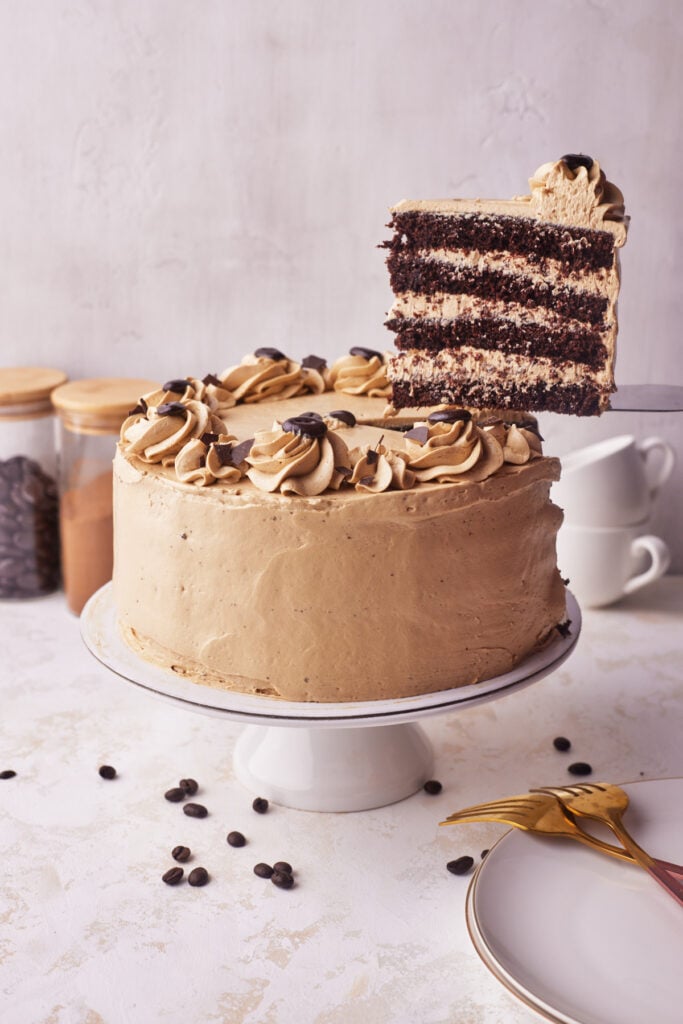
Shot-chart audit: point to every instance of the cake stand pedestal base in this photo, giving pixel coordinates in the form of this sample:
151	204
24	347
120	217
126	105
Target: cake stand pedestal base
332	769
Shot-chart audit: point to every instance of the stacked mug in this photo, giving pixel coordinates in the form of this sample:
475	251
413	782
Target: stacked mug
607	492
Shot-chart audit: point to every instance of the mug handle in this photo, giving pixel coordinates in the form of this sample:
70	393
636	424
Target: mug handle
665	469
660	560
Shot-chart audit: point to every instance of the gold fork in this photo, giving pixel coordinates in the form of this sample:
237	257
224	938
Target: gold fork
604	802
534	812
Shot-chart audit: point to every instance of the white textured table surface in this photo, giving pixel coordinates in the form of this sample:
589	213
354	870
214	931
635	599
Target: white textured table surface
374	930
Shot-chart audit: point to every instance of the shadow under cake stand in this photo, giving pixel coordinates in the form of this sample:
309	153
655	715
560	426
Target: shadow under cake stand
319	757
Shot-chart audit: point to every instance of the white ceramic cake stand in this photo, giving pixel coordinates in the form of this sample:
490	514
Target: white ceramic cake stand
319	757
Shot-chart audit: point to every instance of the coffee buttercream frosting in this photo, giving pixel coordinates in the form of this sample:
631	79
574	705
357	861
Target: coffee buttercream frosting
357	374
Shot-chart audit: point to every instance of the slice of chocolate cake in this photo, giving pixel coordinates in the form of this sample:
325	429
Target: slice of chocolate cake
509	303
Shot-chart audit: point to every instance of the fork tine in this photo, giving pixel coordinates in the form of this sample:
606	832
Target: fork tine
504	818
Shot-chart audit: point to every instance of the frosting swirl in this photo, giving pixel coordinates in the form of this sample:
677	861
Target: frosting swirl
295	463
380	469
360	375
260	377
202	463
159	432
578	194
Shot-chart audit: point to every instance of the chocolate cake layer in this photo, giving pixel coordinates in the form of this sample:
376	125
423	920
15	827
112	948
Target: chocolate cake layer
432	276
576	247
431	334
577	399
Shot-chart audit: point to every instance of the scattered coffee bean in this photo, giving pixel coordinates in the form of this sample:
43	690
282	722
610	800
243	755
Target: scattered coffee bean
561	743
263	870
236	839
282	879
580	768
181	853
283	867
188	786
107	772
175	795
460	866
483	854
7	774
195	810
198	876
260	805
432	787
173	876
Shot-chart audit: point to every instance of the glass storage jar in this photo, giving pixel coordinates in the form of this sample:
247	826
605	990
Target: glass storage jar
29	526
90	414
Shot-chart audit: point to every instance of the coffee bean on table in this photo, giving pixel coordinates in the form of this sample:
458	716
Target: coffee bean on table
260	805
432	787
580	768
107	772
195	810
173	876
188	786
198	876
561	743
461	865
236	839
175	795
282	880
181	853
282	866
7	774
263	870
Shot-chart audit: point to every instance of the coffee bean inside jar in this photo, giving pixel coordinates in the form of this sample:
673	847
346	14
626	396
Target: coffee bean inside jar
29	505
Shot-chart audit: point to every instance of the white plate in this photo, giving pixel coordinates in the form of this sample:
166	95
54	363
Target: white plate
579	936
103	639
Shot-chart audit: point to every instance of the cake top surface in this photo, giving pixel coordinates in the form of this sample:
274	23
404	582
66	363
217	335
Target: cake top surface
572	190
306	428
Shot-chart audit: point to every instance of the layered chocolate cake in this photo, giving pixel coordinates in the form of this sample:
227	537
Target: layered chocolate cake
509	303
276	535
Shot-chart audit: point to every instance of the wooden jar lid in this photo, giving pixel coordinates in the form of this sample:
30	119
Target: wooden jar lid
22	385
100	404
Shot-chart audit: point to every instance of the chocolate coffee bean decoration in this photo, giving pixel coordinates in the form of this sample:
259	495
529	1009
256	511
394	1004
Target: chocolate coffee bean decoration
269	353
366	353
576	160
344	416
308	424
449	416
176	386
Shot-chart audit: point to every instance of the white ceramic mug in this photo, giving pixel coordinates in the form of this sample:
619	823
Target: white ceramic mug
604	564
613	482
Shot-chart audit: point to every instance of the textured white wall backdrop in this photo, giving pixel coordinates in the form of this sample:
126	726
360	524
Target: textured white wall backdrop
181	182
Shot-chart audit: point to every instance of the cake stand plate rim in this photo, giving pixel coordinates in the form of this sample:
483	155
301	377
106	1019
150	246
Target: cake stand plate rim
102	637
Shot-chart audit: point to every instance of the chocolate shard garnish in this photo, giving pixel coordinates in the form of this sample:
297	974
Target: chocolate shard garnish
211	378
564	628
576	160
177	386
208	438
532	428
489	421
343	471
240	451
449	415
171	409
371	457
367	481
139	410
344	416
366	353
314	363
419	434
269	353
308	424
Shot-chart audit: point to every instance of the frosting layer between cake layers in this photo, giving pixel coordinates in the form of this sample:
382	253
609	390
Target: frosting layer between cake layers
392	584
509	303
